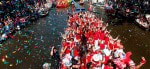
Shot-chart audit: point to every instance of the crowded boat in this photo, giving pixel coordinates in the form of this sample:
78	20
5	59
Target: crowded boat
87	44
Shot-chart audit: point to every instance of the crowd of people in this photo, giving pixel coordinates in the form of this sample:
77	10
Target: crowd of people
133	11
87	44
16	14
133	5
128	9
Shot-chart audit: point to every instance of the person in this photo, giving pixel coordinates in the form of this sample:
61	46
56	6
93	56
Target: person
55	58
100	50
73	7
132	65
76	61
109	65
46	66
90	8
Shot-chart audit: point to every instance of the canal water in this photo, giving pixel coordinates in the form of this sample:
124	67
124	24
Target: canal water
30	48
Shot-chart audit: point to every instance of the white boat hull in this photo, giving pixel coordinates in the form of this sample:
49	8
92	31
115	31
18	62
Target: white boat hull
148	17
143	24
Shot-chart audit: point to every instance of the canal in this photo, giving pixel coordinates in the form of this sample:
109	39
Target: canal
30	47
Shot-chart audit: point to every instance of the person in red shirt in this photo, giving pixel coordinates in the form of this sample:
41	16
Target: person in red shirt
73	7
88	56
95	36
106	39
118	44
77	37
83	62
102	35
88	60
90	8
101	44
111	44
65	48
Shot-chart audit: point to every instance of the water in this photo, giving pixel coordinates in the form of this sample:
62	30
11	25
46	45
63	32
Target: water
133	37
30	48
135	40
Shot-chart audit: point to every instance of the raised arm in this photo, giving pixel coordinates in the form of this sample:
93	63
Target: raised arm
143	61
51	53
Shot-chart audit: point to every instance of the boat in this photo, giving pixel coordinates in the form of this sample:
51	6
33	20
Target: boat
62	4
80	54
44	9
35	15
143	22
148	17
43	12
